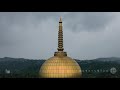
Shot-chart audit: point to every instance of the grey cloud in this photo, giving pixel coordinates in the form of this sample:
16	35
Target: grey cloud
21	32
14	24
34	34
88	21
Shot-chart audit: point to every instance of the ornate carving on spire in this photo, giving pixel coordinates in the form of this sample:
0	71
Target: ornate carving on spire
60	48
60	36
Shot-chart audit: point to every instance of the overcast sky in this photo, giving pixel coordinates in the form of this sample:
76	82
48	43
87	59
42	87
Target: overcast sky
34	35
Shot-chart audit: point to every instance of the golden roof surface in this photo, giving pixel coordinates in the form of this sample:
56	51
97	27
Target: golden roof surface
60	67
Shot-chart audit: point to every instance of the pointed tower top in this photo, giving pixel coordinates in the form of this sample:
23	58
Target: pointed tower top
60	52
60	19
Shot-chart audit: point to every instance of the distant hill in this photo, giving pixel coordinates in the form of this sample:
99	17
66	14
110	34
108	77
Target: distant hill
29	68
109	59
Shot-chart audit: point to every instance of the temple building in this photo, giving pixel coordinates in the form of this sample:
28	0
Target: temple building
60	65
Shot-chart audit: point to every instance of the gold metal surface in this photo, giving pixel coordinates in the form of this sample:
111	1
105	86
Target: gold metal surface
60	65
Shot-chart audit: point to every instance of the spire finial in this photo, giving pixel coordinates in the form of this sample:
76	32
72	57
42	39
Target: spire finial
60	19
60	36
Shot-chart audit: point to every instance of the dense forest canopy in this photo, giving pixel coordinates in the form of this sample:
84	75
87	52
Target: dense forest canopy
29	68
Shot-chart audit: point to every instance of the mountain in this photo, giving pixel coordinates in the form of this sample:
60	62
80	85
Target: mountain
109	59
29	68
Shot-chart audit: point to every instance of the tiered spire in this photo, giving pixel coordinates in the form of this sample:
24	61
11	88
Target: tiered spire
60	36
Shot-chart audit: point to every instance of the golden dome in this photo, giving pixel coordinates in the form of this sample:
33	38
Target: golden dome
60	66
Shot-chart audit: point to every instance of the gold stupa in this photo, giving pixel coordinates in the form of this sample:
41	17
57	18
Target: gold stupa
60	65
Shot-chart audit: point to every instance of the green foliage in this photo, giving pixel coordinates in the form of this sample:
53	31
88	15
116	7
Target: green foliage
26	68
